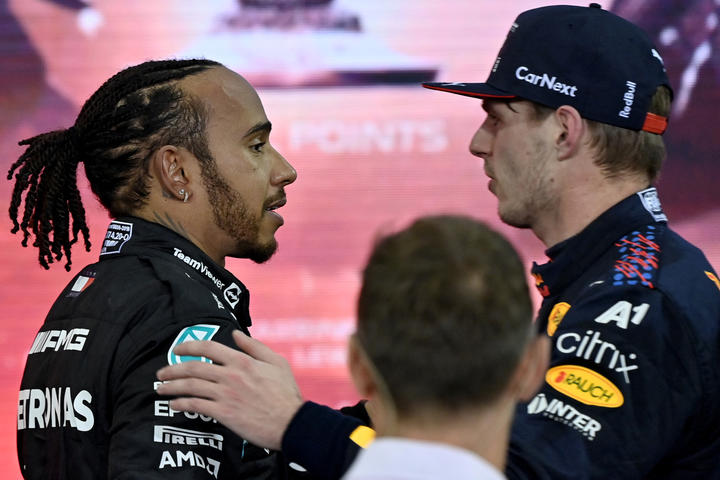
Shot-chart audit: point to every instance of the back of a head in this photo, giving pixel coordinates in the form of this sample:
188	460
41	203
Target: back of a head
444	314
133	113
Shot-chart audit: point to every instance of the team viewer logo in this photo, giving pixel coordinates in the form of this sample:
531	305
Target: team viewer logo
584	385
232	294
191	334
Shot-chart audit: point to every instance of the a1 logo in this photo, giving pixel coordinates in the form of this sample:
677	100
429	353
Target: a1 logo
623	313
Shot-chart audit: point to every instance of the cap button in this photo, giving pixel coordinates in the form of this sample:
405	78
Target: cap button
595	5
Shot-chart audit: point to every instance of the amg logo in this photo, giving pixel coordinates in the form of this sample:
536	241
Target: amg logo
199	266
546	81
180	436
60	340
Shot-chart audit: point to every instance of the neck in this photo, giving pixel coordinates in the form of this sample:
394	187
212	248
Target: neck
580	202
179	225
484	432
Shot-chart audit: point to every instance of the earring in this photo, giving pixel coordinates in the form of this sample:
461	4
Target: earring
184	194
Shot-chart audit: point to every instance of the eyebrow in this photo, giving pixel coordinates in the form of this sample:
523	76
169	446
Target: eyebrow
488	106
259	127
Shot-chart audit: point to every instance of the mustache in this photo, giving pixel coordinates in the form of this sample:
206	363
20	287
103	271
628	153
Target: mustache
278	199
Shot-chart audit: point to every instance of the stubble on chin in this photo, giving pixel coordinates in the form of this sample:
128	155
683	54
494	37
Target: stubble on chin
232	215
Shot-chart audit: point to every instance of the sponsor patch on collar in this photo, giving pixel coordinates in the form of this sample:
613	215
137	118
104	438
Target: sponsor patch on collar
651	202
232	294
191	334
118	233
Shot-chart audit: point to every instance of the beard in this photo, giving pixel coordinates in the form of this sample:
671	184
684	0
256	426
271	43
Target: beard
232	215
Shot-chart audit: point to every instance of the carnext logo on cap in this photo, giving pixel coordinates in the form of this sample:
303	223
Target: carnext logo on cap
546	81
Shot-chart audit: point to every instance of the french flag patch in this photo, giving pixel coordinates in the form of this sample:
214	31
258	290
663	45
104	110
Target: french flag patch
82	282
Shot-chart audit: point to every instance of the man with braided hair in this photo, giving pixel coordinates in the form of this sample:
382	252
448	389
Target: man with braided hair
178	152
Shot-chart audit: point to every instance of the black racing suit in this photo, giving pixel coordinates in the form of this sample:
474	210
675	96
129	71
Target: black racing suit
633	388
88	407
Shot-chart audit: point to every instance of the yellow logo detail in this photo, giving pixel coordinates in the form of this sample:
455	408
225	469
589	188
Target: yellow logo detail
556	315
584	385
712	277
363	436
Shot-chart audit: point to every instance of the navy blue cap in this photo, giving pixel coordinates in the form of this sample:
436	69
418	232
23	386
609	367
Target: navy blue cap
585	57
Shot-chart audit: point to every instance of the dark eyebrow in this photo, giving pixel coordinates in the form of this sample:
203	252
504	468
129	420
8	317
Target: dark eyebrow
264	126
488	104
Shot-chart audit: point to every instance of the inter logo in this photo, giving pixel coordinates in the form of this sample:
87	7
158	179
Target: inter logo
190	334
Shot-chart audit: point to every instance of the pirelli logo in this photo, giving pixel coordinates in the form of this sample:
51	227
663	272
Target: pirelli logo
181	436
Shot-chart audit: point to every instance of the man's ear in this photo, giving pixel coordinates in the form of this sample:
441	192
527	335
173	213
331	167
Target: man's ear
168	165
360	370
530	372
570	132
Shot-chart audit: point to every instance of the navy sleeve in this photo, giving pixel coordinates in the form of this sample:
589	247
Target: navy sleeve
319	439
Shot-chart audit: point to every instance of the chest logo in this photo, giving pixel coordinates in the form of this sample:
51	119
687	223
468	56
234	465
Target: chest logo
191	334
623	313
584	385
556	316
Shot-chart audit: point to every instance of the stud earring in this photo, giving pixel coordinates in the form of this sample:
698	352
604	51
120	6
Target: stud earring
184	194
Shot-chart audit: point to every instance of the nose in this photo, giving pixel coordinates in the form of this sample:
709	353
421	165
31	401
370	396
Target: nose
480	144
283	172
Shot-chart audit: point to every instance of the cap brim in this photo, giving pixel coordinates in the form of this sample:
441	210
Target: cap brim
477	90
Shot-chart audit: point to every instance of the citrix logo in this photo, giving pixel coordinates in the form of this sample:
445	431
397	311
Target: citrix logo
546	81
583	346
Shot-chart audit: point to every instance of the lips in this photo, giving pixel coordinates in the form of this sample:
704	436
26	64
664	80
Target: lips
274	205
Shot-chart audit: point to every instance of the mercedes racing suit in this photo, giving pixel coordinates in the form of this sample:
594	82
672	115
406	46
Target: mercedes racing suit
633	387
88	407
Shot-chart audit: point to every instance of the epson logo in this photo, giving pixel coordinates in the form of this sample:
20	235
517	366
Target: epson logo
60	340
55	407
546	81
628	99
181	436
567	414
199	266
162	409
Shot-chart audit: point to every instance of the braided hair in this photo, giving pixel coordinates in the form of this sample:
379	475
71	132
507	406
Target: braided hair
116	132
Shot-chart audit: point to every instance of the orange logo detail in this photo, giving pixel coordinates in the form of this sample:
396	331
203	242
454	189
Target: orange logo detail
712	277
556	315
584	385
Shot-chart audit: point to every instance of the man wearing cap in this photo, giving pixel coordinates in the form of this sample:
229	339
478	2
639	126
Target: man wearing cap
577	101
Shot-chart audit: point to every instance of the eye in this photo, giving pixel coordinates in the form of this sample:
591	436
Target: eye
258	147
492	120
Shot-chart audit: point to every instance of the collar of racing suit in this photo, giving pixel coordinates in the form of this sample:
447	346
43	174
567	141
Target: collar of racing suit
132	236
571	257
